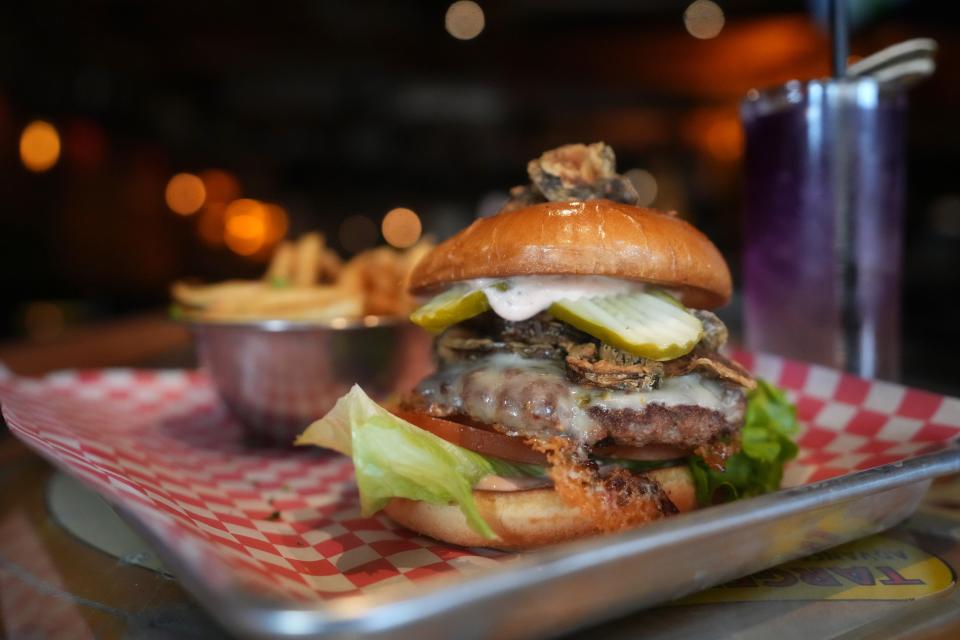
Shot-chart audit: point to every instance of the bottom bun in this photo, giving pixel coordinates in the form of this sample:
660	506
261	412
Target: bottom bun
523	519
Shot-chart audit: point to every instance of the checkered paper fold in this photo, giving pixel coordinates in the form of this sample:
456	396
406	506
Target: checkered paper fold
286	523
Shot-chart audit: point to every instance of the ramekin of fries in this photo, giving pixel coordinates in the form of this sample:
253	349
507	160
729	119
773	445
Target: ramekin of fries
282	349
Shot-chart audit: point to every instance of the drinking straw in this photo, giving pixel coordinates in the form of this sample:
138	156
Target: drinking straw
839	37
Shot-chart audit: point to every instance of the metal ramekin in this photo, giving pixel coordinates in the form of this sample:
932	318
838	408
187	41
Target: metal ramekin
278	376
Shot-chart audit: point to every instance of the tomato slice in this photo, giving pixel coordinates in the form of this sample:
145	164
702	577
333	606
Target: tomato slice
489	443
513	448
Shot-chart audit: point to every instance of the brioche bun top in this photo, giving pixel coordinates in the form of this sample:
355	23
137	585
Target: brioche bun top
587	238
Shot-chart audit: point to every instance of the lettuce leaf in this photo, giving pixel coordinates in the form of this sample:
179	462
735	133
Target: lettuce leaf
766	445
395	459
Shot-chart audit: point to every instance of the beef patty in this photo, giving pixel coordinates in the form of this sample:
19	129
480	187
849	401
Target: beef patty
535	399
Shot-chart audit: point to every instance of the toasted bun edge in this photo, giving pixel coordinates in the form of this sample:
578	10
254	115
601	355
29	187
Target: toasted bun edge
523	520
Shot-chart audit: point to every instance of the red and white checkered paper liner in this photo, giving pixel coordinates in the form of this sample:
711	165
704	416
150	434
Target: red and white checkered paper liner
285	522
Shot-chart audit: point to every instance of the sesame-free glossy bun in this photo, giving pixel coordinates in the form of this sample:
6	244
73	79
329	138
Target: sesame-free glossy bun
589	238
523	519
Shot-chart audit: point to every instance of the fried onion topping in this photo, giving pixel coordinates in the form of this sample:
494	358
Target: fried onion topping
614	501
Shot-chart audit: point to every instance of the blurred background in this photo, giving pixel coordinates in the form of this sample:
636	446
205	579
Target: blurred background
142	142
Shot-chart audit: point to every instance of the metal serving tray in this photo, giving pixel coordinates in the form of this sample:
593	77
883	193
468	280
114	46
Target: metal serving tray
575	585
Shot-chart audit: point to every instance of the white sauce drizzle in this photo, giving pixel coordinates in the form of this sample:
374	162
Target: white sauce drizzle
526	296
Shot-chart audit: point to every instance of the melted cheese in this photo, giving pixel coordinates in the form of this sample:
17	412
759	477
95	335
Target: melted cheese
528	396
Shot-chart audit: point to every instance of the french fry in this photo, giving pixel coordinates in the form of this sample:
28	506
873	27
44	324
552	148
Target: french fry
352	276
200	296
309	250
281	265
371	283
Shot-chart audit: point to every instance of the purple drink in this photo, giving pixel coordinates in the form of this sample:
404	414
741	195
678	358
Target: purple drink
823	223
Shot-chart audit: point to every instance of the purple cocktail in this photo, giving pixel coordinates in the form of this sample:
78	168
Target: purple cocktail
823	223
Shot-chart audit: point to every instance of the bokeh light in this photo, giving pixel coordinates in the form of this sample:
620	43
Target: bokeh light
401	227
221	186
357	233
39	146
704	19
185	194
245	224
645	184
464	20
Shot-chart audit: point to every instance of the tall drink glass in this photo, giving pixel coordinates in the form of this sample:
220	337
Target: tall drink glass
823	223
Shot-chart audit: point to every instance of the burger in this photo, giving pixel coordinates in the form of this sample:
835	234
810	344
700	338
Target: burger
580	386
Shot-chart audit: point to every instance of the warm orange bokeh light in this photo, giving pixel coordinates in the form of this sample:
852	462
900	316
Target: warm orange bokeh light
221	186
185	194
401	227
39	146
248	227
245	226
